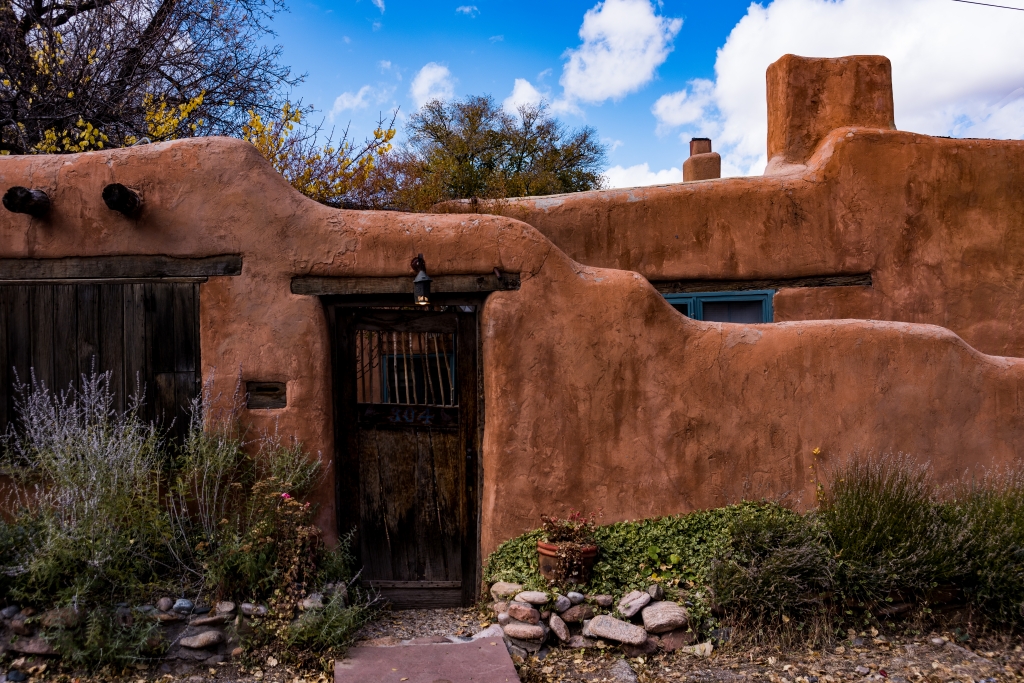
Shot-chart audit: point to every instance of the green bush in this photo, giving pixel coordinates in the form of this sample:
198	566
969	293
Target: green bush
775	564
991	516
882	533
331	628
236	514
88	522
104	638
891	536
338	564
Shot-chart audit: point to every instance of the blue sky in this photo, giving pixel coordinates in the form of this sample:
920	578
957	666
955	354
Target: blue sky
649	75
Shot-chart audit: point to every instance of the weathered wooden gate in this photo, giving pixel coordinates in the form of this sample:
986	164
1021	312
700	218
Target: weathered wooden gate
406	426
134	316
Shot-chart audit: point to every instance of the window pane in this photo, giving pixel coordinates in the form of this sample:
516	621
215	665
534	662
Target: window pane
734	311
682	308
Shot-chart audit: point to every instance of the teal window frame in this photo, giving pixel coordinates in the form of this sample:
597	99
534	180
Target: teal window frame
695	301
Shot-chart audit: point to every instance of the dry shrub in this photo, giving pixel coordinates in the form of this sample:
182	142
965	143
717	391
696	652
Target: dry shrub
891	535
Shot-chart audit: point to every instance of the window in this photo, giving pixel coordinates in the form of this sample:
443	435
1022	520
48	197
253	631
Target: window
725	307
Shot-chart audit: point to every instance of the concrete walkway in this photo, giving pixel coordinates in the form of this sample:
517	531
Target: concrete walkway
484	660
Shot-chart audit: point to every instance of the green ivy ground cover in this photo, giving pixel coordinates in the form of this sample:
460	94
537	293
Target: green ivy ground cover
676	551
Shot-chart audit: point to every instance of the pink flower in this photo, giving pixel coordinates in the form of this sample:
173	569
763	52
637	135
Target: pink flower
285	496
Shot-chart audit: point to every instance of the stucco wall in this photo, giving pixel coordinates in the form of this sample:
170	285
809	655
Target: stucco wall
937	222
597	393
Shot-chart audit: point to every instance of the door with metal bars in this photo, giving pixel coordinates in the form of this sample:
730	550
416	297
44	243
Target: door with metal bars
406	416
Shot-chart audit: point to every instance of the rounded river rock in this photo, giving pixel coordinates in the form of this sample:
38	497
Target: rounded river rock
633	602
610	628
523	612
660	617
517	629
532	597
203	640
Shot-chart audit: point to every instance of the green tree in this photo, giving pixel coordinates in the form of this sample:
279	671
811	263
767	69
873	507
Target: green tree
472	148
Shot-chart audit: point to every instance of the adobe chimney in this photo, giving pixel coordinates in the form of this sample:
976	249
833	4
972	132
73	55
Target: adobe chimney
703	164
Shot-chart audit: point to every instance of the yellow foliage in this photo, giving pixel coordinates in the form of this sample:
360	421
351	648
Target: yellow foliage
324	173
165	121
83	138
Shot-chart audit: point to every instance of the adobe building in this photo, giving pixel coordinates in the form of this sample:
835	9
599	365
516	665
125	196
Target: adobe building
569	354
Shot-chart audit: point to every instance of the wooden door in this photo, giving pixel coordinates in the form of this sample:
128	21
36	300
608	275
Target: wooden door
406	416
146	334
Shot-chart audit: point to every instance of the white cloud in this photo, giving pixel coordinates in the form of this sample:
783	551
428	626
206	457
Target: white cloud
433	82
958	69
624	41
347	100
496	39
612	144
379	4
384	64
640	175
523	92
468	10
686	106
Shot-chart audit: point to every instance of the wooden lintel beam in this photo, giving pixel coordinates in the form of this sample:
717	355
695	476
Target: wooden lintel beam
118	267
441	284
683	286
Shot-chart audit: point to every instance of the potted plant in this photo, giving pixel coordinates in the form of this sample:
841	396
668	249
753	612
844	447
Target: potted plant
567	551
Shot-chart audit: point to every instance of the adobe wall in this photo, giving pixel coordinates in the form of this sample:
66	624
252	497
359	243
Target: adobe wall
937	222
597	393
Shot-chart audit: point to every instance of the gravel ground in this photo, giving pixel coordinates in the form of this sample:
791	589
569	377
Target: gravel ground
936	658
418	623
932	659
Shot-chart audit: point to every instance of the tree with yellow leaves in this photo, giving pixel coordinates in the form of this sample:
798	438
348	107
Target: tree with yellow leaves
331	172
78	75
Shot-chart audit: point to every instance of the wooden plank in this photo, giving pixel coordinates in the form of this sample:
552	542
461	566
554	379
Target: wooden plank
467	358
441	284
6	398
681	286
389	504
375	542
127	266
422	598
65	338
197	350
111	310
347	473
400	415
428	537
87	347
164	403
19	335
160	319
41	304
411	584
186	388
186	313
134	343
406	321
441	503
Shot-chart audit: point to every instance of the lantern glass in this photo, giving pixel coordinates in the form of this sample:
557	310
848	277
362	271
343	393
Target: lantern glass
421	288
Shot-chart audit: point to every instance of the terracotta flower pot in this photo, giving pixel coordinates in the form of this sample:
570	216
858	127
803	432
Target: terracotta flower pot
548	553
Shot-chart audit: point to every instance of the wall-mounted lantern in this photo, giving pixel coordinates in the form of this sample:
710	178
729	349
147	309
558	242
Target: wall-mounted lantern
122	199
23	200
421	284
